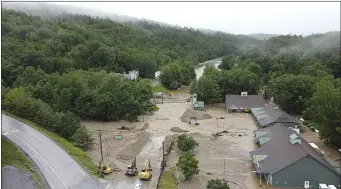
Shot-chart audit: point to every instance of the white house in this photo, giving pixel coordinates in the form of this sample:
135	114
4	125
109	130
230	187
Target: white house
157	74
133	75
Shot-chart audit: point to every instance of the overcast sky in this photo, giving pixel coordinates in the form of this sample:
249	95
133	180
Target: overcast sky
232	17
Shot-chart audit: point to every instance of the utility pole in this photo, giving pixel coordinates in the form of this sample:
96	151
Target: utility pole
223	163
224	168
217	124
260	175
100	143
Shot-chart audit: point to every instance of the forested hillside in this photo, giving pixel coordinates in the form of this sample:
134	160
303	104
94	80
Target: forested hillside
301	74
82	42
55	72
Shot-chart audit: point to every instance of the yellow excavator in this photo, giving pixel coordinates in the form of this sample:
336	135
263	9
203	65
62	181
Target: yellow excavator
104	170
146	173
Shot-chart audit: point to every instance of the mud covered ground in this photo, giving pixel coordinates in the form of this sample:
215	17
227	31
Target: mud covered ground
146	141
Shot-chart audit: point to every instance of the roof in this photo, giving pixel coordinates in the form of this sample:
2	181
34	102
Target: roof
271	113
284	148
245	102
198	104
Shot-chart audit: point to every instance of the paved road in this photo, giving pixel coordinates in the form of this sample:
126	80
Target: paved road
59	168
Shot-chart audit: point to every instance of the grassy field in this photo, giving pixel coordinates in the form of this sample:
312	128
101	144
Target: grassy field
11	155
159	88
168	180
156	87
73	150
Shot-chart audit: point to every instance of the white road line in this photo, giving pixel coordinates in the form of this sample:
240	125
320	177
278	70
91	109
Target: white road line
109	186
42	159
15	130
4	133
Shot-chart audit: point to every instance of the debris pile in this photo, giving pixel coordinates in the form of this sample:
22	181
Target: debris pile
193	113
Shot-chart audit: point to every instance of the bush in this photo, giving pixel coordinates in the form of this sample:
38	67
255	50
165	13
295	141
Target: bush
186	143
19	102
188	165
82	138
217	184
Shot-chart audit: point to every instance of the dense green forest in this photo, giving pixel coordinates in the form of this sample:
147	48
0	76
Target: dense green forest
301	74
56	71
82	42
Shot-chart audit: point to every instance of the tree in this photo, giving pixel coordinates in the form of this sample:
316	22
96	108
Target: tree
186	143
324	110
171	76
217	184
292	92
227	62
208	90
82	138
188	165
255	68
238	80
19	102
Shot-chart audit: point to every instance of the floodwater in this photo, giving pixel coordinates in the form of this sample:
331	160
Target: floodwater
152	151
199	71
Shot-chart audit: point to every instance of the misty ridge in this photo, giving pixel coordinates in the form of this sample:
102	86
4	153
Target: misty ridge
268	43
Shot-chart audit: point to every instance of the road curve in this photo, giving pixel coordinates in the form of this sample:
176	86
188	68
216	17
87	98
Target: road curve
59	168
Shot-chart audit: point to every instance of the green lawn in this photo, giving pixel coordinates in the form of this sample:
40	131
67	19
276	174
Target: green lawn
73	150
168	180
156	87
159	88
11	155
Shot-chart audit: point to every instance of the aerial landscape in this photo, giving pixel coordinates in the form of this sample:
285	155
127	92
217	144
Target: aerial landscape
113	96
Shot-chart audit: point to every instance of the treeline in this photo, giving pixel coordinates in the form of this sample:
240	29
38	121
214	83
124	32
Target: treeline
56	101
215	84
176	74
89	94
303	82
83	42
21	103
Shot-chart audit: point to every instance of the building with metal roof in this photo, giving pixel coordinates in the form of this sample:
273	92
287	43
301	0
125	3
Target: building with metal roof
286	159
271	114
243	102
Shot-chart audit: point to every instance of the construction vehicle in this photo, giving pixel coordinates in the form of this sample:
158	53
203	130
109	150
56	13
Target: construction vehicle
104	170
146	173
132	169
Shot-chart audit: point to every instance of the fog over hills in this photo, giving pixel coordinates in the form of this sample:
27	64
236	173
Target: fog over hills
50	10
47	11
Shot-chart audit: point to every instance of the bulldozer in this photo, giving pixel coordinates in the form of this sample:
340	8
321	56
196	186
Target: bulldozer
132	169
146	173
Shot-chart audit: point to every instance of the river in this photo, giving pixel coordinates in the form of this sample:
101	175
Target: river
200	70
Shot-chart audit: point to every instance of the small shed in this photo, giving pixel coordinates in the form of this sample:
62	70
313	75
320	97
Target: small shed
192	120
199	105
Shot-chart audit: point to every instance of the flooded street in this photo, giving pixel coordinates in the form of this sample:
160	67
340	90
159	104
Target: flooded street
152	151
222	157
